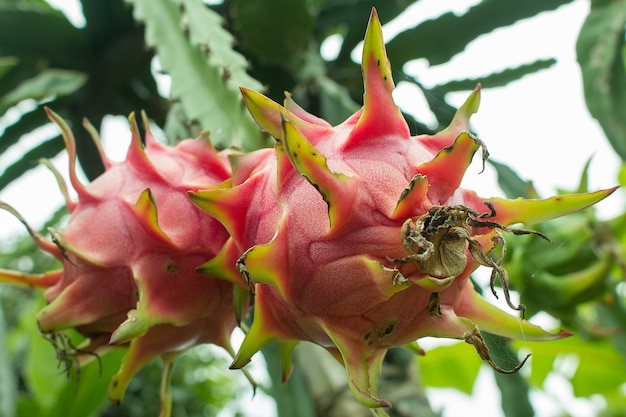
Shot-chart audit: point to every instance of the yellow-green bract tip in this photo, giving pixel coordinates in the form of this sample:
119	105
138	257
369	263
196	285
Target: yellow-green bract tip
537	211
381	119
374	54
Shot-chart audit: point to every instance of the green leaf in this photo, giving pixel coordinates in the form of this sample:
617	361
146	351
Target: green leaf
497	79
613	316
200	84
508	180
50	82
600	49
47	149
514	388
455	366
600	367
335	101
7	63
41	373
206	32
8	383
621	175
176	126
276	32
438	40
87	393
37	31
28	122
51	392
41	5
292	397
583	184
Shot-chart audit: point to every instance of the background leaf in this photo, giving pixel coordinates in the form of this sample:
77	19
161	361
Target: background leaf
593	358
601	55
199	83
455	366
8	381
497	79
454	32
274	31
51	82
29	160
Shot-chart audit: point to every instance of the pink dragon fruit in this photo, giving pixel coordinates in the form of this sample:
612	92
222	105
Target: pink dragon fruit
357	237
130	252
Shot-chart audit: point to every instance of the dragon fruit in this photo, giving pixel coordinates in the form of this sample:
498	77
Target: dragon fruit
357	237
130	252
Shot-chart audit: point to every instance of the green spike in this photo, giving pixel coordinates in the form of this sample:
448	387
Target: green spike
138	320
222	266
265	263
298	111
337	190
45	280
563	291
166	384
459	124
445	171
61	182
263	329
139	354
285	349
432	284
131	363
134	326
146	213
136	153
70	144
95	137
241	299
415	348
411	200
235	160
47	245
363	366
284	169
374	56
227	205
460	121
269	115
493	320
389	281
538	211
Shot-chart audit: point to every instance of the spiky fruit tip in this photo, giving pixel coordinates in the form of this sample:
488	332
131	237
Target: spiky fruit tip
358	238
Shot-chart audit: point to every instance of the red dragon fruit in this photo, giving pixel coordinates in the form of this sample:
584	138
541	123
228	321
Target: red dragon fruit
130	252
358	238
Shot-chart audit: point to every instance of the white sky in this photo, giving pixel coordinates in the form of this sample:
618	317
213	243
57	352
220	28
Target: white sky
539	126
